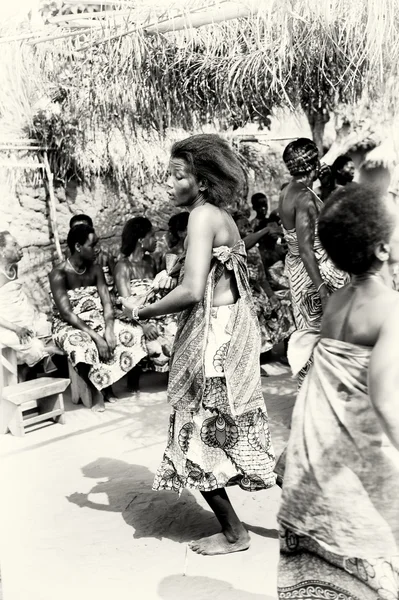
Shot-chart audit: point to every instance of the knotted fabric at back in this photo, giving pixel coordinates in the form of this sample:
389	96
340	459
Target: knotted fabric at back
242	370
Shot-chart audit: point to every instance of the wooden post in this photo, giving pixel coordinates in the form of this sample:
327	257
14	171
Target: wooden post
53	212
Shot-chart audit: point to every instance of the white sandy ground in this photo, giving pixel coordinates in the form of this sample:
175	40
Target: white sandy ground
79	520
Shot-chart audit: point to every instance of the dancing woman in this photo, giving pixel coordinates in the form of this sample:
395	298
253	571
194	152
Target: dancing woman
219	432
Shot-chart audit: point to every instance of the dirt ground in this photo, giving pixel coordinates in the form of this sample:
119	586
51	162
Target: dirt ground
79	519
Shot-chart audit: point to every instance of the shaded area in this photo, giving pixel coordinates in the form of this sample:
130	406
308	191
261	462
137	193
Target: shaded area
176	587
151	514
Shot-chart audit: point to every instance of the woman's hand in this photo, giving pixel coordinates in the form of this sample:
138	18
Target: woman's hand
102	347
274	301
109	336
24	334
324	296
150	331
163	282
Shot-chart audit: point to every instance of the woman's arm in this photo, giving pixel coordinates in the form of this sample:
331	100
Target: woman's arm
384	376
305	225
104	296
252	239
200	236
122	279
24	333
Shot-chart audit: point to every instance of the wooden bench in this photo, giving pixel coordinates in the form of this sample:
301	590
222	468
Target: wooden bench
44	394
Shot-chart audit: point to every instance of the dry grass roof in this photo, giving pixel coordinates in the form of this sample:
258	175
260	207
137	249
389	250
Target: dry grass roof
105	88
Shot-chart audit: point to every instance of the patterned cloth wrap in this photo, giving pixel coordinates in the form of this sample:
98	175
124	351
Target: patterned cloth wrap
80	348
306	303
219	430
159	350
276	322
16	307
339	511
187	377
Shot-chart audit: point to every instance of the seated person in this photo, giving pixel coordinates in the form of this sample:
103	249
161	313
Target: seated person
22	327
134	276
177	232
104	258
174	238
102	349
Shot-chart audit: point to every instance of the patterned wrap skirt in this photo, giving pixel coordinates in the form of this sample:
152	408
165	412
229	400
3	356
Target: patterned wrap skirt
307	571
80	348
210	448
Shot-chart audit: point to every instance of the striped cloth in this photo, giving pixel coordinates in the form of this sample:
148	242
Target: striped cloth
306	303
187	376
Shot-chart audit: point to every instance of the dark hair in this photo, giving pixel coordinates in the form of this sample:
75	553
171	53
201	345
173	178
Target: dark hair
81	219
339	163
301	156
78	234
257	197
134	230
3	238
212	160
352	222
178	222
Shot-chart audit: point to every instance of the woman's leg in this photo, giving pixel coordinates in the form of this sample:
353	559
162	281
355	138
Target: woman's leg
133	379
233	538
98	399
109	395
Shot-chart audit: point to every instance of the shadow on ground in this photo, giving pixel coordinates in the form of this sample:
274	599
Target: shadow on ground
179	587
151	514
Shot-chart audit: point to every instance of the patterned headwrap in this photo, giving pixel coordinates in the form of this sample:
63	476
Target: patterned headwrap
301	157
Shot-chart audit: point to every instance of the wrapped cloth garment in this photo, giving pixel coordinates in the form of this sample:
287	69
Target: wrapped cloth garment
306	303
340	497
16	307
80	348
276	322
142	291
159	350
219	429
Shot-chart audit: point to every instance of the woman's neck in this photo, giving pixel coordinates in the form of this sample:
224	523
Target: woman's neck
199	201
77	261
306	180
380	275
137	256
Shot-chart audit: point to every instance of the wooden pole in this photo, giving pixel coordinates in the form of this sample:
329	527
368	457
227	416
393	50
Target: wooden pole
53	212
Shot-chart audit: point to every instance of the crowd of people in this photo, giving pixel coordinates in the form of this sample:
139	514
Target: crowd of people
205	302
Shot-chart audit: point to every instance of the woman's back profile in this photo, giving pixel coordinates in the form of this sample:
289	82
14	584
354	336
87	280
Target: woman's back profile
341	484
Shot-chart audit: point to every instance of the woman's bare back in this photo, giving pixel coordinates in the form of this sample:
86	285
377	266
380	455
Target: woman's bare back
355	314
225	234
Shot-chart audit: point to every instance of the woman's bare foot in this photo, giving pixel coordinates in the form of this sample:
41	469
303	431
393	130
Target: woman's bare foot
98	402
219	544
108	395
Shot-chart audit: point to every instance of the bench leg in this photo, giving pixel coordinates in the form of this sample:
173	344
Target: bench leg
60	405
13	419
54	402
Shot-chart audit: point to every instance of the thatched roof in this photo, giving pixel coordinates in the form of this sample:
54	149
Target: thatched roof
104	88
